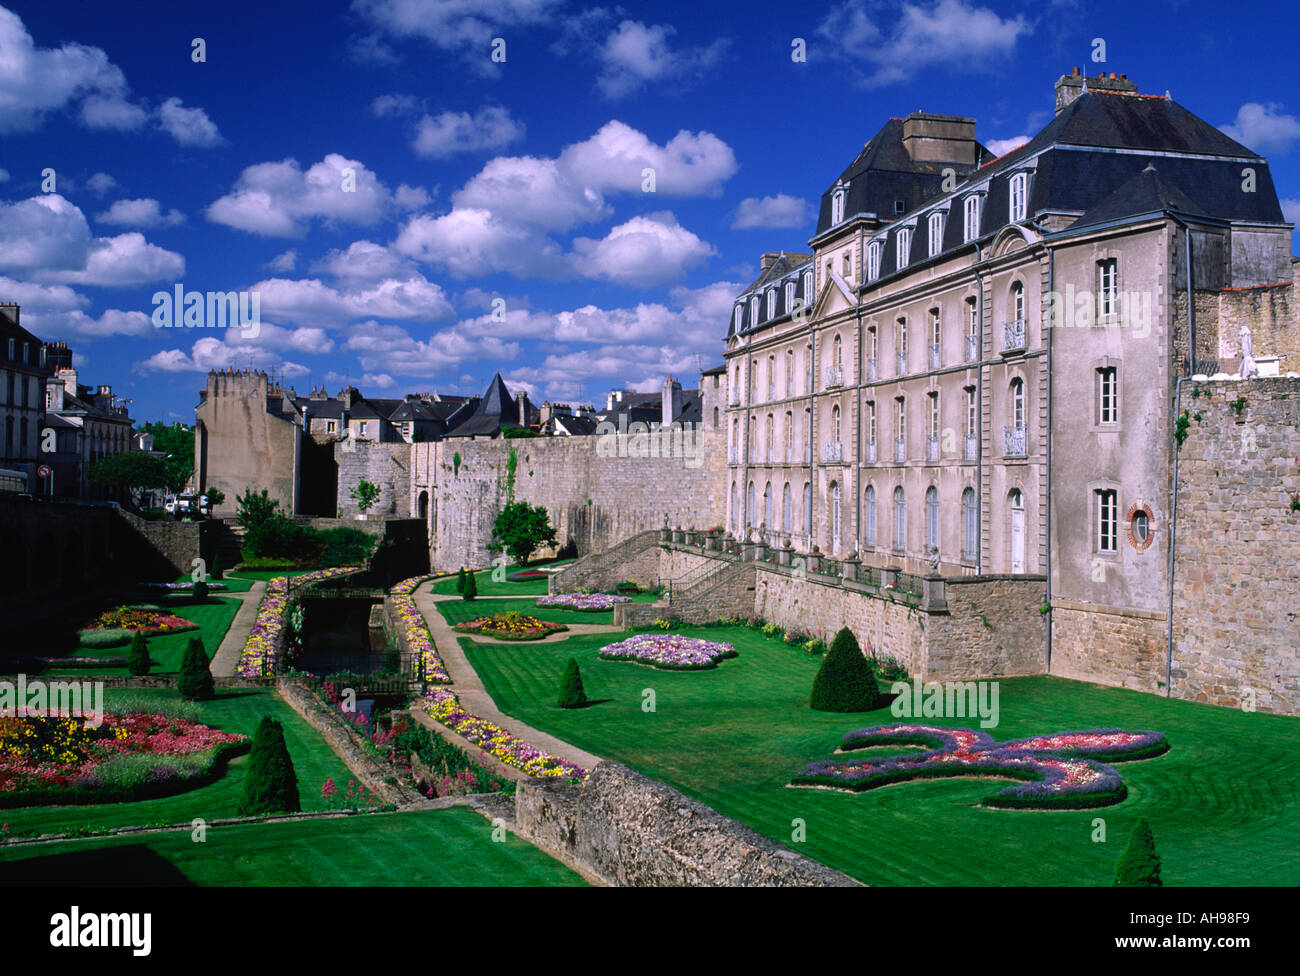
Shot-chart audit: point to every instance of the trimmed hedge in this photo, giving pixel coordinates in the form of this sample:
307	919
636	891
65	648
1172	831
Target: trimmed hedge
845	681
572	694
271	785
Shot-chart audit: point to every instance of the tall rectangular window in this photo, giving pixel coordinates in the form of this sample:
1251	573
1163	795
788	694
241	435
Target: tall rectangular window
1108	395
972	214
971	417
903	239
1108	287
873	259
1019	202
936	233
934	413
1107	520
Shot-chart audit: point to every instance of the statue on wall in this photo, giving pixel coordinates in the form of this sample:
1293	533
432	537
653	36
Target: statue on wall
1248	367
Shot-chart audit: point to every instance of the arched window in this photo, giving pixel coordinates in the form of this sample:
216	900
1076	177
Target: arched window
970	525
749	505
740	315
1019	198
904	242
837	207
932	520
771	303
771	377
753	310
789	372
789	436
869	515
785	508
936	233
808	289
767	505
768	443
715	417
1016	505
807	509
835	516
837	348
835	425
874	250
1017	302
900	519
1018	403
789	295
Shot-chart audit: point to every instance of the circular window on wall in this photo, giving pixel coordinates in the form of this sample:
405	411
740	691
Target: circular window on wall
1141	526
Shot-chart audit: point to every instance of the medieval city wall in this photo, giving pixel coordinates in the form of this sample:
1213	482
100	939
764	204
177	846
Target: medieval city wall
387	465
1237	550
597	490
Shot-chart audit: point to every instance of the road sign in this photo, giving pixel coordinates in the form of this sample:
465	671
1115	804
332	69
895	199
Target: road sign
44	471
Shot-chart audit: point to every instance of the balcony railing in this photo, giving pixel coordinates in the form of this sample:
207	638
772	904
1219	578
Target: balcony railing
869	455
871	370
900	449
932	448
1013	442
834	376
833	452
972	349
934	356
972	447
902	363
1013	335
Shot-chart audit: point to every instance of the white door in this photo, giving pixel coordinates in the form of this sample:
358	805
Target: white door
1017	533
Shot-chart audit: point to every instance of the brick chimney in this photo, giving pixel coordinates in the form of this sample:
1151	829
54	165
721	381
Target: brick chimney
770	258
1071	86
671	403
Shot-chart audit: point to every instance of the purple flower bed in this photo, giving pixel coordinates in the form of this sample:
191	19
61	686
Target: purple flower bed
587	602
671	652
1061	770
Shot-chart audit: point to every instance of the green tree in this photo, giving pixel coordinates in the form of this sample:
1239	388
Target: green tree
365	494
253	510
137	660
521	529
176	441
195	681
200	592
572	694
1139	865
132	472
214	571
845	681
215	496
271	785
471	587
460	580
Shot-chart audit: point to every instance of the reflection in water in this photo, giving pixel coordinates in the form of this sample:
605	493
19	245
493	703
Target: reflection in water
336	637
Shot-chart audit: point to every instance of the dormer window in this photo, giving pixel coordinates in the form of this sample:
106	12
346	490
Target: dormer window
972	213
789	294
740	315
1019	197
900	206
808	288
753	310
837	207
904	244
874	251
936	233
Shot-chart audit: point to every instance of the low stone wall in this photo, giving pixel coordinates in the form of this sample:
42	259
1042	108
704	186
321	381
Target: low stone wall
382	778
630	830
1109	646
994	627
154	548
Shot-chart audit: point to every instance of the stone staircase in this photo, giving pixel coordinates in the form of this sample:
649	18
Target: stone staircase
227	542
727	590
602	570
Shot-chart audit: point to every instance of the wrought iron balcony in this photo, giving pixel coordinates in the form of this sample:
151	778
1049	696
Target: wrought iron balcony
833	452
1013	335
1013	442
834	376
900	449
870	453
932	448
972	348
971	451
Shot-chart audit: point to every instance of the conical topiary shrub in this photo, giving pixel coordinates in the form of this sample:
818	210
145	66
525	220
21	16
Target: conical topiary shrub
201	592
845	681
271	785
1139	865
214	571
137	661
460	580
571	693
195	681
471	588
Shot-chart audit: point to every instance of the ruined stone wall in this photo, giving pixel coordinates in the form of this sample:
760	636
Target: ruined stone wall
630	830
1237	551
596	495
387	465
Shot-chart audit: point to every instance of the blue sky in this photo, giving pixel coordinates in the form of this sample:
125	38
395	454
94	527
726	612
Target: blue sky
477	180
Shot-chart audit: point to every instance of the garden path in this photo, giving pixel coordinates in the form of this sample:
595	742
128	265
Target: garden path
226	660
468	686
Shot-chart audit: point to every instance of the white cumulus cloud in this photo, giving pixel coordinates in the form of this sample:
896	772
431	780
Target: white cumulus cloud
635	55
145	212
449	133
781	210
1264	128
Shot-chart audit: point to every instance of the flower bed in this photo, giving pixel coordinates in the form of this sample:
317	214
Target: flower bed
265	644
669	652
413	631
179	587
139	620
586	602
510	626
129	756
527	575
445	708
1061	770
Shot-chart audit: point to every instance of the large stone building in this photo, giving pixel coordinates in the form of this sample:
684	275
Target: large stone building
23	373
88	423
976	370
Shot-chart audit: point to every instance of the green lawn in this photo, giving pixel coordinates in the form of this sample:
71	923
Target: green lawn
1223	803
487	587
213	617
458	611
233	710
427	847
